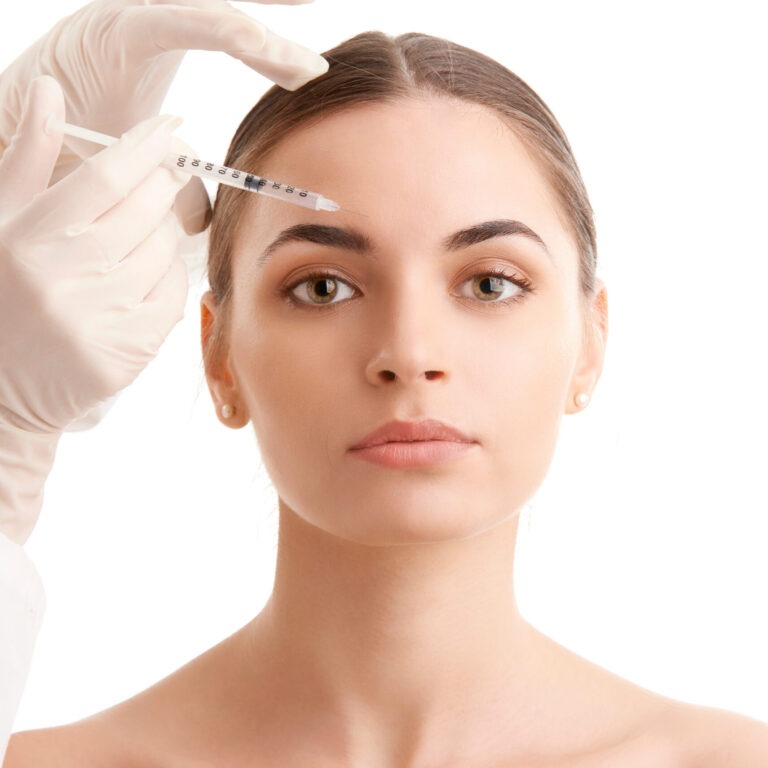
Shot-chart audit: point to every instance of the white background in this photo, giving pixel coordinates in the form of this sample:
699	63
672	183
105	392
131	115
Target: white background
645	548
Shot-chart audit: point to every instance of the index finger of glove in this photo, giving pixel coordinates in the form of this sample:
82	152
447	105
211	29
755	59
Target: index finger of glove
101	182
161	28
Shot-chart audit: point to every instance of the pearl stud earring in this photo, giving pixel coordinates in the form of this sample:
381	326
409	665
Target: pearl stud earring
581	399
227	411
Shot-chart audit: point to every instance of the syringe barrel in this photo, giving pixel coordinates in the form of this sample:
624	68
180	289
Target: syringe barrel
218	173
282	191
221	174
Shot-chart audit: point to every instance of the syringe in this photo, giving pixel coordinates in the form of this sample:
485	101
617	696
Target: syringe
218	173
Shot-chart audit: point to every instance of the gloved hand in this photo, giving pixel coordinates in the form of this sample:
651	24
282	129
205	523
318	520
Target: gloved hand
116	59
90	285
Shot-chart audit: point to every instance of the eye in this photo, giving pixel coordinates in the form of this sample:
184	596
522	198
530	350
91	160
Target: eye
319	288
497	286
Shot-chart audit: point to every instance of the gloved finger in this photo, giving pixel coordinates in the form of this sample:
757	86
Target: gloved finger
278	60
124	226
100	182
162	28
92	417
29	161
193	206
129	282
161	309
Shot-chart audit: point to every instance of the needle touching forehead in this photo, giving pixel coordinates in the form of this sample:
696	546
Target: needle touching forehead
350	239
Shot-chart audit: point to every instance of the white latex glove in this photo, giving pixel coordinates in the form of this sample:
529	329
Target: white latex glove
90	285
116	59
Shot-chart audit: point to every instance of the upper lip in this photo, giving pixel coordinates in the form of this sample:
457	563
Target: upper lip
412	431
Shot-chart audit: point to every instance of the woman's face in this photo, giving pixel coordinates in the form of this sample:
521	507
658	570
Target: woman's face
406	322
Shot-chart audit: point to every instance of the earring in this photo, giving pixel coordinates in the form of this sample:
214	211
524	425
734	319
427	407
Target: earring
581	399
227	411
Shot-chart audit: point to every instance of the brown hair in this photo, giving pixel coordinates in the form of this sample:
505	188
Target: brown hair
374	67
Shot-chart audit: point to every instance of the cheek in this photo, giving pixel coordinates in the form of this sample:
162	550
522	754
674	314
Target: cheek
526	383
532	378
289	378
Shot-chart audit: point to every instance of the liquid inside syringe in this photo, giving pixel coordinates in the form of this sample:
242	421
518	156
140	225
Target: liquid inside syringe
243	180
218	173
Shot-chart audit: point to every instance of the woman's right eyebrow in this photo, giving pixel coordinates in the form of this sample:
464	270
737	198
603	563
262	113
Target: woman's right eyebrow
322	234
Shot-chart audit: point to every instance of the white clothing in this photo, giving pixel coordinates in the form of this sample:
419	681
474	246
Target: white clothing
22	605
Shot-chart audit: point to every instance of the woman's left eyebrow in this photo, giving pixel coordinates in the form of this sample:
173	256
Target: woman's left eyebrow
490	229
352	240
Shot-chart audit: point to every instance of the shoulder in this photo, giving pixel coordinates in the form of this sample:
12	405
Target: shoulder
147	730
80	745
668	733
62	746
707	737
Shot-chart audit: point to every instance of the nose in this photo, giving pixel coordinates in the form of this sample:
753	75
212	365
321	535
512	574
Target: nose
408	339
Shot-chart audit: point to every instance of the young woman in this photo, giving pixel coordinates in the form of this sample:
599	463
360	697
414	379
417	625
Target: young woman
405	364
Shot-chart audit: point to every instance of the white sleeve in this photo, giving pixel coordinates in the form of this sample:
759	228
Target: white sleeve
22	604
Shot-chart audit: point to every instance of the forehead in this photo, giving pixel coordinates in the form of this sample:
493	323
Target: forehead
417	169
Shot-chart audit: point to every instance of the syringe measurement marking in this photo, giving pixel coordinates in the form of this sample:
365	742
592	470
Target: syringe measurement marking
260	183
250	182
218	173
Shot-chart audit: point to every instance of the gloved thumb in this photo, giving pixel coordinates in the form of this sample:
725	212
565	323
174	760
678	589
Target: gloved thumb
27	164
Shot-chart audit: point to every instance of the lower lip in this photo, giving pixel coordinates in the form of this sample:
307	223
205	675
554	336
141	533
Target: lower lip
416	454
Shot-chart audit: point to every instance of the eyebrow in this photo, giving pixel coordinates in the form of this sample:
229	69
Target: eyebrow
490	229
346	239
352	240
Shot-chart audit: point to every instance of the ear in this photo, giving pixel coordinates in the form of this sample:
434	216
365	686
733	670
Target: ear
218	372
589	365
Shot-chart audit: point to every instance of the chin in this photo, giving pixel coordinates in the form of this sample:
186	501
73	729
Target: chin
438	516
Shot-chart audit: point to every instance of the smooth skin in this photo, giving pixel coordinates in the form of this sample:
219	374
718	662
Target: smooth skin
392	637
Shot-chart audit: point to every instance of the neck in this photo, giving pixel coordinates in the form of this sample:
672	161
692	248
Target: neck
411	643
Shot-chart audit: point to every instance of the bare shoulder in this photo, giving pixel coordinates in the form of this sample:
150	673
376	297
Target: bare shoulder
95	742
148	730
708	737
65	746
681	735
122	736
128	735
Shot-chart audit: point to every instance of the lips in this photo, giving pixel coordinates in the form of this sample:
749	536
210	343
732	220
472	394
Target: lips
412	431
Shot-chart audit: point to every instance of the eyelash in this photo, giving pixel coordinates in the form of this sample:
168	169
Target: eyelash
525	286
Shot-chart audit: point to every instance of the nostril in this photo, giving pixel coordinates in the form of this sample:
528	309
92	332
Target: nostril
429	375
